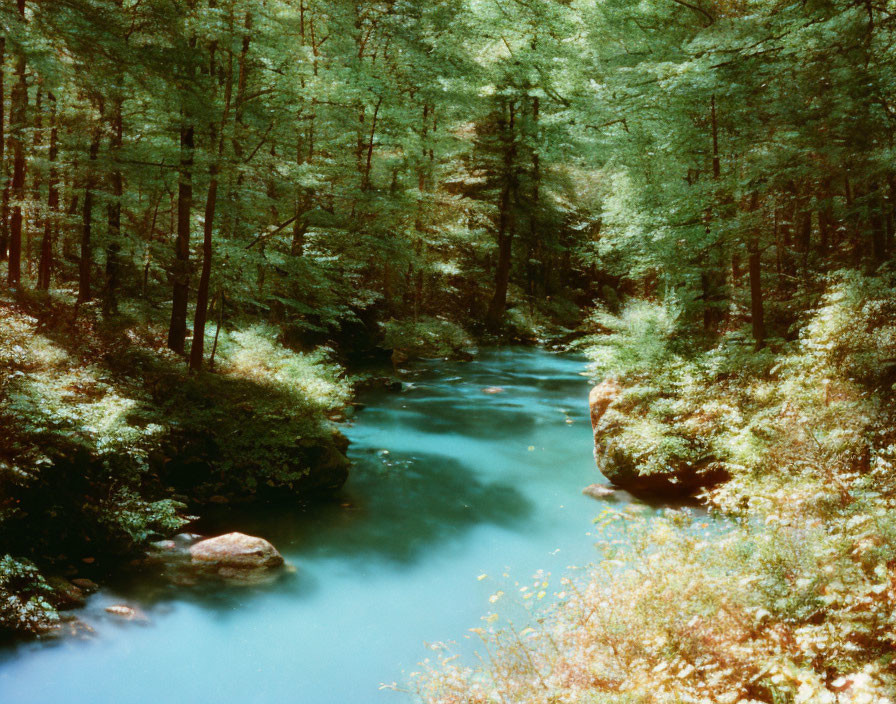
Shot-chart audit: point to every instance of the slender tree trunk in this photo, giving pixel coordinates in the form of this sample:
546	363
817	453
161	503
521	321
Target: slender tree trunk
712	278
804	228
177	330
113	212
891	214
211	360
536	199
199	320
716	160
878	226
37	123
242	81
85	263
17	123
4	209
116	186
502	271
757	308
757	305
51	221
368	162
498	304
824	222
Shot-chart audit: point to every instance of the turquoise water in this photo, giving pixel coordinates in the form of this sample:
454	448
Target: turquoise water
450	483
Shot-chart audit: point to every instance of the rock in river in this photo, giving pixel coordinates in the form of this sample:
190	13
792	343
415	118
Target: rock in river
127	613
682	476
599	491
236	551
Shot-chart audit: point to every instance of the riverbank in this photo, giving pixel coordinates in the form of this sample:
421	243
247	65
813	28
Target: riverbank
108	443
794	602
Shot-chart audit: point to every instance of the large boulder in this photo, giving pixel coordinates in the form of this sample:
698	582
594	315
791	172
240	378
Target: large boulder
682	476
601	398
235	551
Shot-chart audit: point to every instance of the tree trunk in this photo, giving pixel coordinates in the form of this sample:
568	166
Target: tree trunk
36	143
51	221
211	360
113	212
198	347
824	224
502	272
757	308
4	209
368	161
498	304
86	260
536	201
177	330
804	228
17	123
716	161
878	226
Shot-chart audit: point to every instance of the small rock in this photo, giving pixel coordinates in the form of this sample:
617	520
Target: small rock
598	491
128	613
66	595
86	585
236	551
187	538
72	627
164	545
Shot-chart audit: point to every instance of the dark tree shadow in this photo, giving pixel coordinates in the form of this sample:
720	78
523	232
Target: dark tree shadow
397	510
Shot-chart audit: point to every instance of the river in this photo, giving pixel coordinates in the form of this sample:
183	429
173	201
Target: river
456	494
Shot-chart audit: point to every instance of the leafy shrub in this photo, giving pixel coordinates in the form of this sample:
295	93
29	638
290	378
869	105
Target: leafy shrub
260	425
426	337
24	598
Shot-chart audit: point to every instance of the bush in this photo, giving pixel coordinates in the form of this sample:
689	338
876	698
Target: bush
24	598
425	338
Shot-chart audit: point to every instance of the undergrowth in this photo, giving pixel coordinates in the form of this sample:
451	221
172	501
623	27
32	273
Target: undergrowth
106	442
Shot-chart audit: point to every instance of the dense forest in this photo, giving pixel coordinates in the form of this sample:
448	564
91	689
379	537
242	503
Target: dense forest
218	214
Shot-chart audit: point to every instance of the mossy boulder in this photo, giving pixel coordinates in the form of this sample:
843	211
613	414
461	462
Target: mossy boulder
681	473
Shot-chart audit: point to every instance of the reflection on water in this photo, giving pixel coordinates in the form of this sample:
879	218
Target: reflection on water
449	483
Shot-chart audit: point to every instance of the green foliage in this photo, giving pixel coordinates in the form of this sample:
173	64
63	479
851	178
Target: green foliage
102	443
426	337
637	343
259	425
129	519
24	598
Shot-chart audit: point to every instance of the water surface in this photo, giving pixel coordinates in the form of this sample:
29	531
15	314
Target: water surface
450	483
